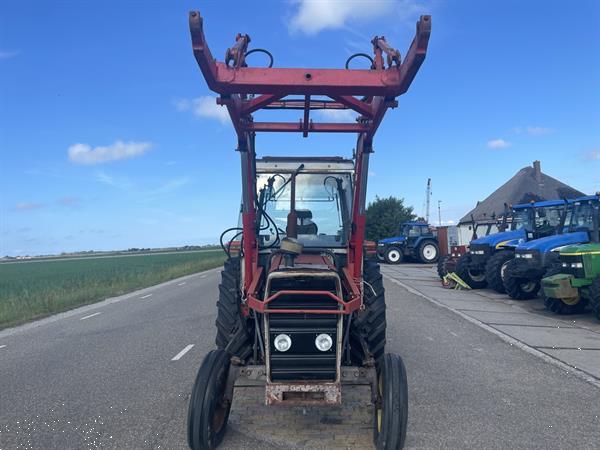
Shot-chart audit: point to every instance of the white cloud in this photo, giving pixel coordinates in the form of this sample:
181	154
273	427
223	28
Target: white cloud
86	155
337	115
313	16
498	143
593	155
8	54
533	130
27	206
170	186
121	183
204	107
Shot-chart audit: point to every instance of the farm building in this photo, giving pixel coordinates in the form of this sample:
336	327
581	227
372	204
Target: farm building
528	184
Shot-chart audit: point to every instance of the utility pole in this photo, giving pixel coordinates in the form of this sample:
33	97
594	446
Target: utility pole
427	200
439	213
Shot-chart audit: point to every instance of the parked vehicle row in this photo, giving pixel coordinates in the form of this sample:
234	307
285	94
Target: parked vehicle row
552	248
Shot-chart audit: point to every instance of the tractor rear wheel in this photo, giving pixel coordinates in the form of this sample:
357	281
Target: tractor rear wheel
391	412
208	411
368	326
473	277
595	297
393	255
519	288
442	270
428	252
234	331
496	268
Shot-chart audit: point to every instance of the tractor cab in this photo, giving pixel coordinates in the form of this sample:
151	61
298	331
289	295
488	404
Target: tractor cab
323	199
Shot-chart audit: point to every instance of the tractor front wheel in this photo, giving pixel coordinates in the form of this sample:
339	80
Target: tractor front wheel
393	255
520	288
209	408
428	252
495	269
595	297
391	411
475	278
562	306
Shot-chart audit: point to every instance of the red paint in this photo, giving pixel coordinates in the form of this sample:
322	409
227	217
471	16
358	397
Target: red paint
244	90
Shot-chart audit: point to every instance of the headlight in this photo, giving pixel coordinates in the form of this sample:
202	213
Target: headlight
577	265
529	235
565	264
524	255
323	342
283	342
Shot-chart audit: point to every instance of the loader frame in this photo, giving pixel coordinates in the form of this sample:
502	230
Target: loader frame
370	92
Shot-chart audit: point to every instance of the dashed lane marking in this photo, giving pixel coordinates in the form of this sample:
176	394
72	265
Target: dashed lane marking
91	315
180	284
146	296
179	355
2	346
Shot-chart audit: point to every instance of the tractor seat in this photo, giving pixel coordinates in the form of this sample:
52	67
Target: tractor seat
305	223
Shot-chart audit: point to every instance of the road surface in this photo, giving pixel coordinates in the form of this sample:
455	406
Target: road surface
118	374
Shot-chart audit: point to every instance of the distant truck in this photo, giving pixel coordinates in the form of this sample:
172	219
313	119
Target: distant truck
416	240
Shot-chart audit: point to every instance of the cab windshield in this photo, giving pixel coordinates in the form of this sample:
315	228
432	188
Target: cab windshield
323	202
582	218
410	230
549	218
521	218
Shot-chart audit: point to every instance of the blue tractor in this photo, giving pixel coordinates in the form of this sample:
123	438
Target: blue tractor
546	218
416	240
486	261
536	258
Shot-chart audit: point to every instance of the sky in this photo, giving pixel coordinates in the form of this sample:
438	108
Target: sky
110	138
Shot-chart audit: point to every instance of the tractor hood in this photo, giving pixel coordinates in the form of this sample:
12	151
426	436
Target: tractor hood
511	244
494	239
549	243
392	240
592	247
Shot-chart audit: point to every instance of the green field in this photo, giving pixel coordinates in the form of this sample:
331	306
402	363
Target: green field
34	289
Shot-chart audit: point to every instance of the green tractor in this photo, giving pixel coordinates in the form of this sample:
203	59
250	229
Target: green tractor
575	282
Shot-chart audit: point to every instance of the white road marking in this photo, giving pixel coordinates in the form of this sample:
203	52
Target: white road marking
91	315
202	276
2	346
182	352
180	284
146	296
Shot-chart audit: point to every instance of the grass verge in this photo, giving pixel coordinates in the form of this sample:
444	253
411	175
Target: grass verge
35	289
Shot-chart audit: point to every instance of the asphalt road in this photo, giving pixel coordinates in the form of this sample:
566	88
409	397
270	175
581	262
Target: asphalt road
118	375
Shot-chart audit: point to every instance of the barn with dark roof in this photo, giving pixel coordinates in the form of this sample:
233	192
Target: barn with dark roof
528	184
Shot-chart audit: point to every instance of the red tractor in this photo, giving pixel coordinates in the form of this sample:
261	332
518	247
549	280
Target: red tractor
301	309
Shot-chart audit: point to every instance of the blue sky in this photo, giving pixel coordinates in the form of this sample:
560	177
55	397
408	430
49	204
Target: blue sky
108	139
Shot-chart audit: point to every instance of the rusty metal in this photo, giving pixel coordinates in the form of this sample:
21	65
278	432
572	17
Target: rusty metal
392	55
303	393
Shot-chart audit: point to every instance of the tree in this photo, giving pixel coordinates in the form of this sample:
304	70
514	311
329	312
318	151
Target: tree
384	216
